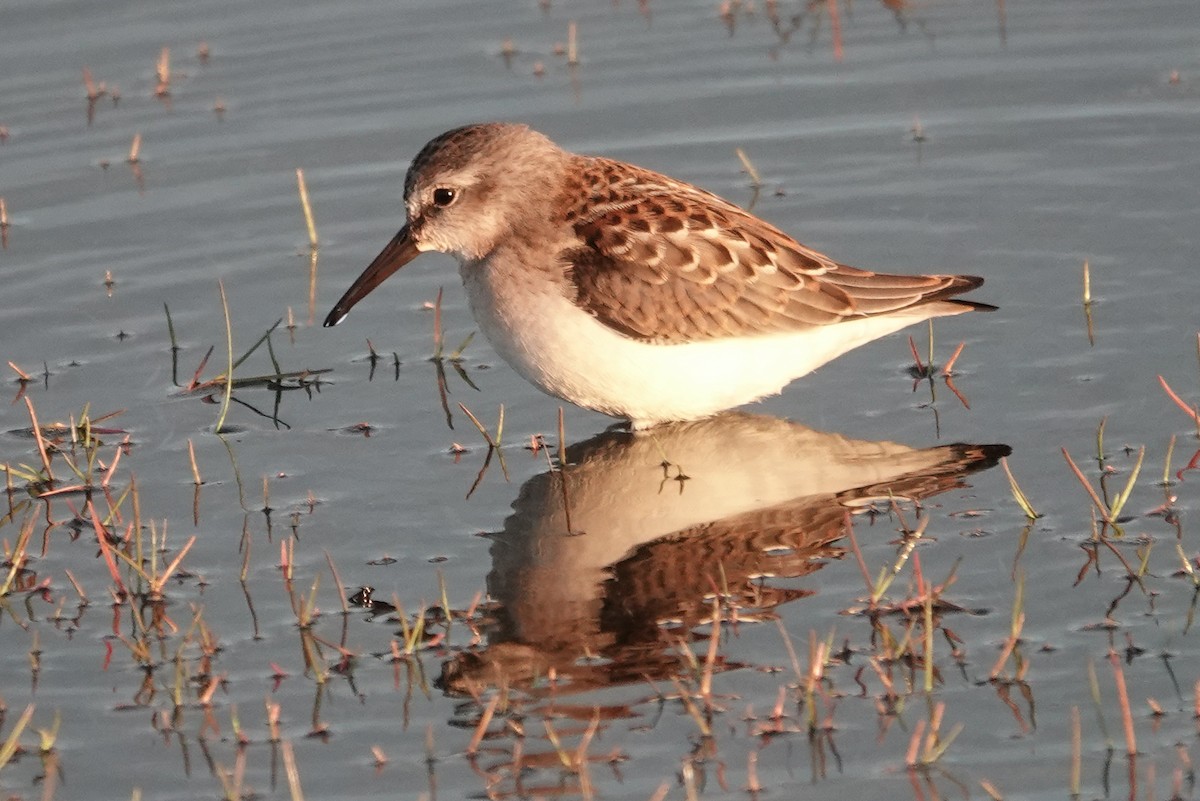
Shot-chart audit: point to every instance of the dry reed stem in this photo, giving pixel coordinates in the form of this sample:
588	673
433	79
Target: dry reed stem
192	458
229	353
1180	402
9	747
83	599
1166	476
481	428
313	241
337	582
748	166
89	85
572	43
162	71
1018	494
135	149
1087	486
948	368
791	651
17	557
41	442
106	549
912	346
112	468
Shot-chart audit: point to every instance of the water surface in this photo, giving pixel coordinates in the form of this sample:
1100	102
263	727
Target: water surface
1065	136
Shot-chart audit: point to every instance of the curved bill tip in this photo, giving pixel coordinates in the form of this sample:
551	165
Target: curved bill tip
399	252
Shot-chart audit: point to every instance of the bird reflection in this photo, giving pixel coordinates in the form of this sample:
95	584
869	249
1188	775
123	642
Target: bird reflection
607	564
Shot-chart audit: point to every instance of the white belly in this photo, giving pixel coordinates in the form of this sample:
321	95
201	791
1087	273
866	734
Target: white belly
567	353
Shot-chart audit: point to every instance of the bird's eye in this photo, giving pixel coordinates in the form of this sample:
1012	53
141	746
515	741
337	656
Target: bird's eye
443	196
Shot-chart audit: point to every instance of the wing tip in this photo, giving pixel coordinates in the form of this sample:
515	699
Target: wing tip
957	285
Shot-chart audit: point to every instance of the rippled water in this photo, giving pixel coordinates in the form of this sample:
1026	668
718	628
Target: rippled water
1016	147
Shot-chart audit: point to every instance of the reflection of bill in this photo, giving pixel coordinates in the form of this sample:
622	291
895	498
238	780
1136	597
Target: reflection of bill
620	554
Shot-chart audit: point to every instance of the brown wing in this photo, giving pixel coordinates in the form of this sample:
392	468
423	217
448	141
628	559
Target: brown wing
664	261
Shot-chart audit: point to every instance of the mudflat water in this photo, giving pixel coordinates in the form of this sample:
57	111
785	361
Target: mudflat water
555	636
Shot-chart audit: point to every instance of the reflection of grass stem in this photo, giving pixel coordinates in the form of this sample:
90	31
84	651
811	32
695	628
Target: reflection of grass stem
1076	752
17	559
484	721
1015	627
293	774
1123	700
439	337
1094	687
928	621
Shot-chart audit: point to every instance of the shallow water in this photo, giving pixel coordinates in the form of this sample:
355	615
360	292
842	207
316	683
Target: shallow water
1068	135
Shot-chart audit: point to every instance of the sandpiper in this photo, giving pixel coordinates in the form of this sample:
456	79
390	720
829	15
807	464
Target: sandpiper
629	292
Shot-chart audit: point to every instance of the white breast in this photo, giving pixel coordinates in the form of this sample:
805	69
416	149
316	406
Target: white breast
568	353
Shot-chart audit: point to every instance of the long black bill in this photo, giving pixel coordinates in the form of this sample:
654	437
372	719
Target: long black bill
399	252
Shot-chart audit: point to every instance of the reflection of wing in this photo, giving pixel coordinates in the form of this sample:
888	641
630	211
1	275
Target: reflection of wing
597	555
668	578
659	251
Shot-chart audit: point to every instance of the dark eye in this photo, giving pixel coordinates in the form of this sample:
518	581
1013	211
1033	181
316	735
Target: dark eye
443	196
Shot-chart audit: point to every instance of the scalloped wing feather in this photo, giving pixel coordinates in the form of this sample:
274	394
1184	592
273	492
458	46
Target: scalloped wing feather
664	261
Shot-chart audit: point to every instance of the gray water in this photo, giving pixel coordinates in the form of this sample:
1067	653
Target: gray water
1055	135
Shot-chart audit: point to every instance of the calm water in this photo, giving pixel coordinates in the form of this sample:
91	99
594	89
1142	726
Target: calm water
1066	134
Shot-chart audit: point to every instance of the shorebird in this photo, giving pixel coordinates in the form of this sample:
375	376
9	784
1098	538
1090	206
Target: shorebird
629	292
